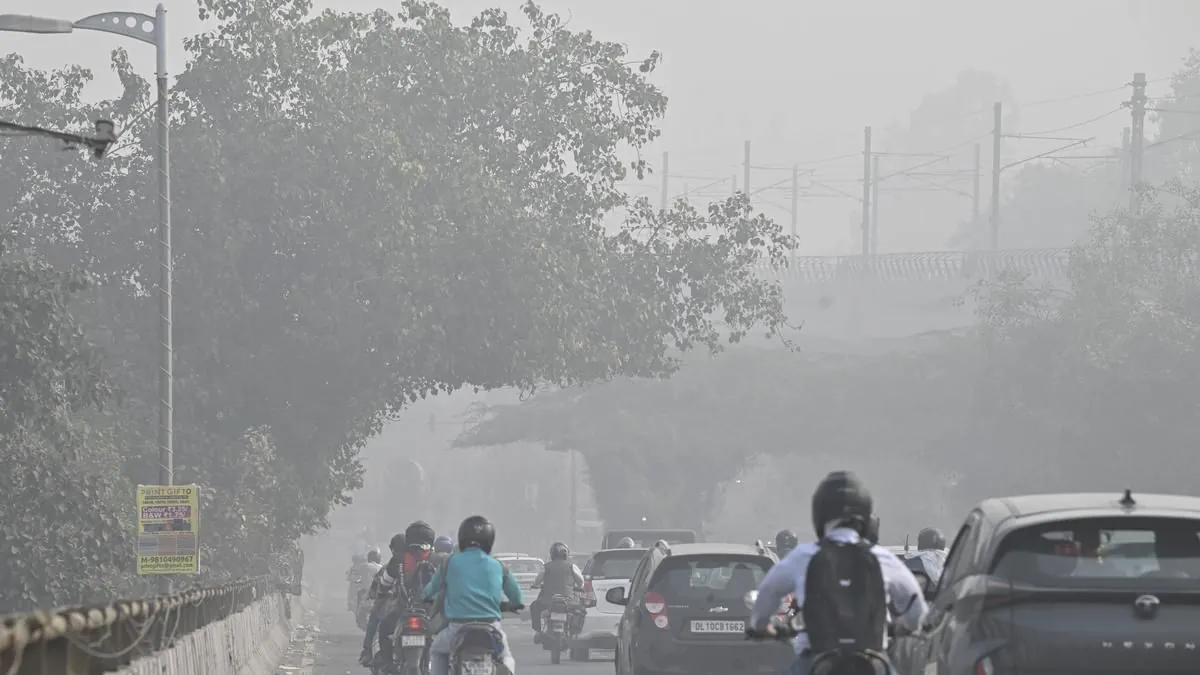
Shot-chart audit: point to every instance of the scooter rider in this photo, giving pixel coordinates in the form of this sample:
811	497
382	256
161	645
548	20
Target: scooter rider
785	541
841	509
558	577
358	563
381	595
476	584
443	545
370	570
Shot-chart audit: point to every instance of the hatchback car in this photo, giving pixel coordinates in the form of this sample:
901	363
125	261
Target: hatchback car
684	612
605	570
1070	583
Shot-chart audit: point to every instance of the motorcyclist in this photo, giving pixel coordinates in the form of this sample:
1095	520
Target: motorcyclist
559	576
626	542
475	585
931	549
370	570
403	578
381	596
785	541
841	509
443	545
358	562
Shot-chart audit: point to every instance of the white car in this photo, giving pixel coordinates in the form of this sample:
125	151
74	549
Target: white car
525	569
606	569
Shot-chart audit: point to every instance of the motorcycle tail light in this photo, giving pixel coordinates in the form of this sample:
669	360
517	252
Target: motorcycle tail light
415	623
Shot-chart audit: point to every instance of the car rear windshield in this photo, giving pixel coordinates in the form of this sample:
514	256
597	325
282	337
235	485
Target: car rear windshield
1115	552
715	578
615	564
523	566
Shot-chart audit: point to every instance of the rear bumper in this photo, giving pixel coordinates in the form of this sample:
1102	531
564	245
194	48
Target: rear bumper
713	658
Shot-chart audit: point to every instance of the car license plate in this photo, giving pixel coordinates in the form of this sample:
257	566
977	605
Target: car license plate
478	668
412	640
718	626
558	617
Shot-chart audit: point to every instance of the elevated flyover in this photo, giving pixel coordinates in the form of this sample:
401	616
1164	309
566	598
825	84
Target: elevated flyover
897	295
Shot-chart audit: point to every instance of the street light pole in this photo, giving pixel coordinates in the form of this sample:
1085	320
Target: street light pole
151	30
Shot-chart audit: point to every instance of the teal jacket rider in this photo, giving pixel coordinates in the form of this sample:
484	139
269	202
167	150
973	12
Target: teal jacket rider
478	583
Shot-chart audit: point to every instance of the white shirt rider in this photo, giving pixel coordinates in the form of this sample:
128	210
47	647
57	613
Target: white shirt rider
906	604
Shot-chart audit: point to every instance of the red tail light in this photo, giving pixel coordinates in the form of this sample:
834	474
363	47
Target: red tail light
984	666
589	594
415	624
656	605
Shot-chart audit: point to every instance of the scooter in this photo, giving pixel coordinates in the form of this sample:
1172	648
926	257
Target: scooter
476	648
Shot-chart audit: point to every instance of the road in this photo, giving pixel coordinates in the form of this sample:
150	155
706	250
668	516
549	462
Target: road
339	643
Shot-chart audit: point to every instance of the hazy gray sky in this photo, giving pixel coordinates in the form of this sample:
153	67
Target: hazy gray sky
800	79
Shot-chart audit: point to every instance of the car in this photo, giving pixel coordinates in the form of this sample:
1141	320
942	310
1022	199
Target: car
604	570
1101	583
525	569
684	611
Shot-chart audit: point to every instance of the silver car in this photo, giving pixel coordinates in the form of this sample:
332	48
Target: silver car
604	570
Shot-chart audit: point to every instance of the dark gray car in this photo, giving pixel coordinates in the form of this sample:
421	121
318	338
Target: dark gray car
1071	583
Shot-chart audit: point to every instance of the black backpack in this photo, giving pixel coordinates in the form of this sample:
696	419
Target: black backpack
845	600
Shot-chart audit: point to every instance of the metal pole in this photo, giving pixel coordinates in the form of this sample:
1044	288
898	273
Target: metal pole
665	181
997	141
166	375
1138	140
875	204
866	192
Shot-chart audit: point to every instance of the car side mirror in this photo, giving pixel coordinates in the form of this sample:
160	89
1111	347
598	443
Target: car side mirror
616	596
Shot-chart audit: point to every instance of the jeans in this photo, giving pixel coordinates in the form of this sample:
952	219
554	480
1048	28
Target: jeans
535	614
387	626
372	627
443	641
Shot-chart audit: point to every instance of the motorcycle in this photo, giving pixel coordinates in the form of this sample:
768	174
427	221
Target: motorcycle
789	623
476	648
562	622
410	642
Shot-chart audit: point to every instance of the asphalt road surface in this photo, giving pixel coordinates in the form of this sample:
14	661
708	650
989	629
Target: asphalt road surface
340	641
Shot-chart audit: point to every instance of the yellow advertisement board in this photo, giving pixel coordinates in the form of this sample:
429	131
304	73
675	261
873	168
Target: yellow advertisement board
168	529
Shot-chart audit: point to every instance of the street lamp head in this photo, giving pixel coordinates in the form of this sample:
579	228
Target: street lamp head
23	23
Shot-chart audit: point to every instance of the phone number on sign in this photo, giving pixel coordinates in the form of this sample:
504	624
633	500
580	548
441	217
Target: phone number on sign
167	559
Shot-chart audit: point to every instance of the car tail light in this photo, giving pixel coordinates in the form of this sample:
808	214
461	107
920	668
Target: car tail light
589	594
415	624
656	605
984	666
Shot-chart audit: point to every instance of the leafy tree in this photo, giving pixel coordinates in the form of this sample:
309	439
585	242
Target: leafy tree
368	209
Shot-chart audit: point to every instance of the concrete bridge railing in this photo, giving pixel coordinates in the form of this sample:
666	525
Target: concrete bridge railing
242	628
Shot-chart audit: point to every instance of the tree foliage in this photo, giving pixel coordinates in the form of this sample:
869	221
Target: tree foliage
369	209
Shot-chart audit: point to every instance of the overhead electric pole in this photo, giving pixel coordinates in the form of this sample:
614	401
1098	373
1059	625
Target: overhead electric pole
975	189
997	142
746	172
875	204
795	198
1137	143
666	181
866	192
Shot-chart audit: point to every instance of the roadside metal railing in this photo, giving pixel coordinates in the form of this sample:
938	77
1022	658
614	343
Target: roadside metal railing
105	638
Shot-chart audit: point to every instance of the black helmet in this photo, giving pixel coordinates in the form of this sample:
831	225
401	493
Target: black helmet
396	545
420	534
841	497
476	531
626	542
373	556
931	538
785	541
872	533
559	551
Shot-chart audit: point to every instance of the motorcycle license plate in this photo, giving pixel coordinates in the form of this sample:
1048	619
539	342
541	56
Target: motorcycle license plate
412	640
478	668
558	617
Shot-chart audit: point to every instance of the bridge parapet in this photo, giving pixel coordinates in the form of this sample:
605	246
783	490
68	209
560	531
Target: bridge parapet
1047	264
